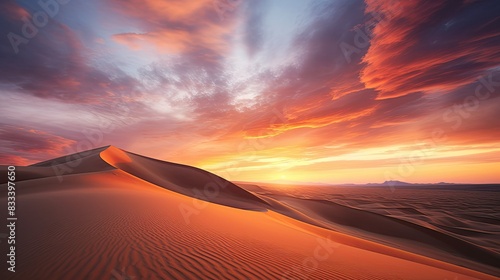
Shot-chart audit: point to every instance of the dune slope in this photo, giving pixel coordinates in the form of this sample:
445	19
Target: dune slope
183	179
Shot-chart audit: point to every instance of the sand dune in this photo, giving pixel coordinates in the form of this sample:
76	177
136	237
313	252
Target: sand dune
183	179
84	162
389	230
117	215
379	215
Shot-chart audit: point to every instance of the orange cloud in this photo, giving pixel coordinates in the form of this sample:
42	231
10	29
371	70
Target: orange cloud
171	41
274	129
176	26
424	46
29	145
14	160
157	10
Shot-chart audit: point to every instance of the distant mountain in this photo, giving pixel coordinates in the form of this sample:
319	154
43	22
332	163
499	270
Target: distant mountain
390	183
396	183
400	183
444	183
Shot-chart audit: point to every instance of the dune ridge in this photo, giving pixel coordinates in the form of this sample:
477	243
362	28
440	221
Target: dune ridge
183	179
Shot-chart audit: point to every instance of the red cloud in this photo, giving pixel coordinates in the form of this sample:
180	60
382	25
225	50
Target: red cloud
22	145
429	46
14	160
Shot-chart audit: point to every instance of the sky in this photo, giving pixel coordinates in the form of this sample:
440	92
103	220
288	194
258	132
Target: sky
337	91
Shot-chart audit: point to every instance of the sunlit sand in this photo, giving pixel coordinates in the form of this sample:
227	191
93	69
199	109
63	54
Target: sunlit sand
117	214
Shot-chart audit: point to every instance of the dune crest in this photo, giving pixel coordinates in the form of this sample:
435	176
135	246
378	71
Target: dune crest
114	156
187	180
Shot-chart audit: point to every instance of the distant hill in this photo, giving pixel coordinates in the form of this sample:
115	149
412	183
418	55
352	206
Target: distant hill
401	183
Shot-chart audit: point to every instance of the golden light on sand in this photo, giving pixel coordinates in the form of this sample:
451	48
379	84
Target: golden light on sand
133	211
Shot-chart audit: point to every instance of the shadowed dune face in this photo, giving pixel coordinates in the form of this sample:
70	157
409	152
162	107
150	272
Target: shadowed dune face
84	162
184	179
125	222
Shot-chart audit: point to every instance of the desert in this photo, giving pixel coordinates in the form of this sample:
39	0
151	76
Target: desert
119	215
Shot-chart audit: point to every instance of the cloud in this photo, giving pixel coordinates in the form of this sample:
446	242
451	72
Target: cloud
55	64
170	41
433	46
6	159
159	11
300	90
22	145
253	27
175	27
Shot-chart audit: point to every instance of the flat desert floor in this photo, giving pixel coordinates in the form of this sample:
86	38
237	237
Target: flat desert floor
111	214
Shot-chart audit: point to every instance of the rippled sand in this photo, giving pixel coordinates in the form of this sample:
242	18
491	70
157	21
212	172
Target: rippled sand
110	214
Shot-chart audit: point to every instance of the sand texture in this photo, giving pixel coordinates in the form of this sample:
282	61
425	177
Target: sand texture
112	214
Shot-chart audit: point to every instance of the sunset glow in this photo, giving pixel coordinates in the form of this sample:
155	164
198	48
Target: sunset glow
320	91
